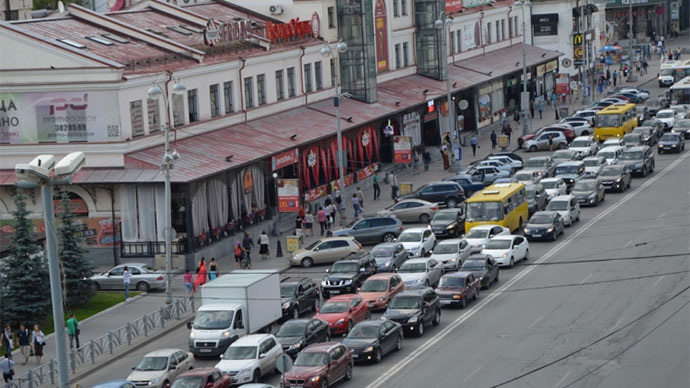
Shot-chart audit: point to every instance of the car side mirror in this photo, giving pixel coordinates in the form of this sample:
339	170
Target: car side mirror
209	385
361	270
172	367
221	357
189	325
316	249
262	355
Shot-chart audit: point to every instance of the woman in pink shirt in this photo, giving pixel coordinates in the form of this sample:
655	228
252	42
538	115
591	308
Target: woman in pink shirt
188	282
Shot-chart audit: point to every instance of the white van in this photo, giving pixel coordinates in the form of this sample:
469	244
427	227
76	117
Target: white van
612	153
666	73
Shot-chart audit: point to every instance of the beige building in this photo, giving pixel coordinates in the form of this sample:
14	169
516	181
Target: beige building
18	9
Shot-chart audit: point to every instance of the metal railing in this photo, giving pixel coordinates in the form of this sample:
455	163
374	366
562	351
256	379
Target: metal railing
98	348
150	248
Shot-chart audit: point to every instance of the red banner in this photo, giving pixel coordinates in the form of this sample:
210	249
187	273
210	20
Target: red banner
453	6
315	193
78	206
381	26
285	159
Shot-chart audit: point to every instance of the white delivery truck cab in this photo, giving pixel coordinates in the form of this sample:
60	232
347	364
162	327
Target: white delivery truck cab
666	73
239	303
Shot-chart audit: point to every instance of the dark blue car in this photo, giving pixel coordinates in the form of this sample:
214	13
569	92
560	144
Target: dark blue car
671	142
468	185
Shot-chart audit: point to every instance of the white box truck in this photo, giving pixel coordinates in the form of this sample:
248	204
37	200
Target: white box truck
239	303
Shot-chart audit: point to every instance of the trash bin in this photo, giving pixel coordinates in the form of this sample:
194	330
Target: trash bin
292	243
503	142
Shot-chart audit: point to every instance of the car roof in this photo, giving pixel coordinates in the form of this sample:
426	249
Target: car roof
565	151
382	275
449	210
636	148
544	213
321	347
416	230
593	157
611	148
163	352
586	137
386	245
571	163
199	371
342	298
414	291
426	203
372	322
554	179
504	237
112	384
417	260
460	274
250	339
566	197
484	226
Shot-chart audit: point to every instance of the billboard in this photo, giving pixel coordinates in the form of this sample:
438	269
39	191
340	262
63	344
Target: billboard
453	6
381	27
402	149
288	195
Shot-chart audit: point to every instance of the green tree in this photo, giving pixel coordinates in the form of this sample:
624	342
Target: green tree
24	279
53	4
76	268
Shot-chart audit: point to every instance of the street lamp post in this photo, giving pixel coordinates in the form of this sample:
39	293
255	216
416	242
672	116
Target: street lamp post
340	47
39	173
169	159
276	228
524	97
443	23
631	73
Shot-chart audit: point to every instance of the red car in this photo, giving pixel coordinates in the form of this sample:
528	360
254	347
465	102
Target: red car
379	289
567	132
202	378
343	312
458	288
320	366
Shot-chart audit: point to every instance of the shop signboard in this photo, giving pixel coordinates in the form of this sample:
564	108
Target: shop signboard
627	3
98	232
288	195
453	6
76	205
381	24
402	149
366	172
551	65
545	24
295	28
315	193
475	3
284	159
405	188
562	84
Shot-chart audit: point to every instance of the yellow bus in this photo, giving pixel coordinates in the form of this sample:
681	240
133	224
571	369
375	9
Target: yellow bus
614	121
503	204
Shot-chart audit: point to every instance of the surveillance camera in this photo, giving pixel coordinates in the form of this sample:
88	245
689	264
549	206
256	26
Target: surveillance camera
70	164
175	155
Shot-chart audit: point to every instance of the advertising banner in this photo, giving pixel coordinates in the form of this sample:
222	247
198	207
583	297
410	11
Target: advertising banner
470	35
59	117
315	193
453	6
402	149
96	232
285	159
366	172
288	195
381	36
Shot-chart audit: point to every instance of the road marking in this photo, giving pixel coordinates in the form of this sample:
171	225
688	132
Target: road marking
661	216
474	372
586	278
618	323
656	283
535	321
627	244
565	376
404	363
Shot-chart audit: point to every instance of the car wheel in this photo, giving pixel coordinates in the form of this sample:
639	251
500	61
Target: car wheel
424	218
526	254
476	294
451	202
307	262
463	304
420	329
512	262
143	287
561	146
348	372
644	172
388	237
96	287
555	236
437	318
166	384
295	313
378	355
324	383
398	343
533	148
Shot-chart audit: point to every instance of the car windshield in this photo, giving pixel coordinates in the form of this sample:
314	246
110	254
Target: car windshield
382	251
375	285
152	363
666	72
484	211
523	177
585	185
550	184
580	143
405	302
443	249
633	155
311	359
313	245
291	329
451	281
213	320
567	170
333	308
412	268
287	291
473	265
536	162
642	131
478	233
669	137
607	154
591	162
445	216
608	120
364	331
632	138
562	155
665	114
682	124
344	267
531	193
410	237
557	205
498	244
540	219
187	382
612	171
240	353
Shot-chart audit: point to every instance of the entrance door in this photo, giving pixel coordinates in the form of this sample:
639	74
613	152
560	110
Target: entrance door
430	133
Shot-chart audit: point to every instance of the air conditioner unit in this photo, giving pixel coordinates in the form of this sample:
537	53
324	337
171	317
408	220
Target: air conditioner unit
276	10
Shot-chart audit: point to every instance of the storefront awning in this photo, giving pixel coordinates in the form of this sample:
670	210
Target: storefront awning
498	63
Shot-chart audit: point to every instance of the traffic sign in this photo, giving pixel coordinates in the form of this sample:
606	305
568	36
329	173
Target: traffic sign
283	363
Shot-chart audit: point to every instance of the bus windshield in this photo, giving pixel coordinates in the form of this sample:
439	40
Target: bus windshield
484	211
608	120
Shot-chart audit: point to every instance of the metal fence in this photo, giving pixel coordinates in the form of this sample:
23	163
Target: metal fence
105	346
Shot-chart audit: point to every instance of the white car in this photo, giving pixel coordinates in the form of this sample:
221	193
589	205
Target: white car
417	241
516	164
587	114
584	145
640	94
478	236
567	206
554	187
612	154
581	127
507	250
421	272
451	253
527	177
159	368
666	116
680	110
250	358
496	164
594	164
613	142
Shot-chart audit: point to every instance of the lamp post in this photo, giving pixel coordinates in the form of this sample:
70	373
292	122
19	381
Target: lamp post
631	74
327	52
169	159
39	173
443	23
524	97
276	227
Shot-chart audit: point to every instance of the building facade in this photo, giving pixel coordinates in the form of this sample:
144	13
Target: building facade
15	9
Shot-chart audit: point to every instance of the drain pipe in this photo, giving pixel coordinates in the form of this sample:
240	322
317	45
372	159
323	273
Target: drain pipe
301	67
241	85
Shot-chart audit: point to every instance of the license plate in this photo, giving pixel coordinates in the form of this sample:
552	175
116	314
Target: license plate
536	235
445	301
334	291
355	356
205	350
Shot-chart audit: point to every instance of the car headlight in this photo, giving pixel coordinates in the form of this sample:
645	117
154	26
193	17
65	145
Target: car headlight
368	349
674	145
286	305
387	264
324	283
227	333
154	380
528	230
315	379
381	299
505	255
449	227
296	345
340	321
192	335
454	259
457	296
348	282
619	180
413	319
549	230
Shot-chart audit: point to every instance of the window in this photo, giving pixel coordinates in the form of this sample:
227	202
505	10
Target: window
451	44
318	75
291	81
238	320
178	110
503	29
154	115
488	33
261	89
331	17
406	56
228	97
396	8
498	31
214	98
249	92
280	87
458	39
403	6
397	56
193	105
510	27
136	114
515	24
307	77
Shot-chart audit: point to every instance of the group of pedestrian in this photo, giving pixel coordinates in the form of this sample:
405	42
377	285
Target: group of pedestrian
30	344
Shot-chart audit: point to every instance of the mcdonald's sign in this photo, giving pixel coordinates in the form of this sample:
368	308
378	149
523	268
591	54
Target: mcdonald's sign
577	39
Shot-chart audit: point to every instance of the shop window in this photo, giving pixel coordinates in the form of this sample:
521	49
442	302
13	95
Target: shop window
214	98
136	114
228	97
249	92
153	114
261	89
193	105
280	87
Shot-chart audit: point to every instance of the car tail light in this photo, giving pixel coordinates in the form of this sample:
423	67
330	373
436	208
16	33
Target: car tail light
359	245
434	208
400	228
159	278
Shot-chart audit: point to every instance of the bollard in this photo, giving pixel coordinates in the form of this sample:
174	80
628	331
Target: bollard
177	309
31	380
162	314
110	341
129	334
71	359
91	350
279	249
52	371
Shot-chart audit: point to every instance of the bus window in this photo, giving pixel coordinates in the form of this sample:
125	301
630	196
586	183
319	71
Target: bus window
608	120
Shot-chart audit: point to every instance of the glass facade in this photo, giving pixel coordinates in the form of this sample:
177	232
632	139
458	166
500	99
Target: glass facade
431	43
358	63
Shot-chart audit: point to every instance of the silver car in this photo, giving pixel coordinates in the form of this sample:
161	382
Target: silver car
144	278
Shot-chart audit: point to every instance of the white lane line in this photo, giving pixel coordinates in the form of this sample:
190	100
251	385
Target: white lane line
627	244
618	323
586	278
412	356
656	283
562	380
536	321
661	216
474	372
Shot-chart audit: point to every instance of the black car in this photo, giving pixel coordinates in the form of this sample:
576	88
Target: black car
656	124
346	275
296	334
671	142
389	256
298	295
648	134
414	309
449	222
450	194
640	160
536	197
483	267
615	177
682	126
544	225
371	340
589	191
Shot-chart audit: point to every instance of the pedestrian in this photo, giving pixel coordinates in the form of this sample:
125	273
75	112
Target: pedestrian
377	188
516	116
360	196
446	139
247	245
551	142
263	245
126	280
355	205
212	269
608	74
615	78
338	197
415	162
321	217
553	99
331	210
625	70
503	118
474	143
7	367
201	274
238	254
531	107
188	285
394	186
7	341
426	158
24	337
540	108
309	223
73	330
445	156
645	66
326	202
38	340
494	139
676	54
670	55
508	131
